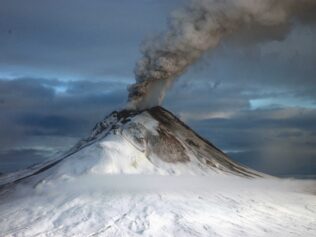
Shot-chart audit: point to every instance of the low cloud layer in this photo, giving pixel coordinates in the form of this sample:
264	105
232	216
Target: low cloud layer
55	114
39	112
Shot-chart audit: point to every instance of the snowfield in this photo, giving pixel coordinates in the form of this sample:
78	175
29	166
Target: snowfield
148	174
134	205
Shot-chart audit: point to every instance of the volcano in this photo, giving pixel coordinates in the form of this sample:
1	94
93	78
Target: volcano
152	141
146	173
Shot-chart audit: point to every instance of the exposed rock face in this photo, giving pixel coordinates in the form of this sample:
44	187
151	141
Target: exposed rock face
163	137
186	141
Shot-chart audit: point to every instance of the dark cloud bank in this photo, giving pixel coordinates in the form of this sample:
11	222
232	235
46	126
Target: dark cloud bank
38	120
42	116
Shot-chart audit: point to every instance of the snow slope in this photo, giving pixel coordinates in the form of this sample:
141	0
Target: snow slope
138	205
148	174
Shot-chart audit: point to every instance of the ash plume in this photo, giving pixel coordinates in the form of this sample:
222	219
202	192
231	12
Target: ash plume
199	27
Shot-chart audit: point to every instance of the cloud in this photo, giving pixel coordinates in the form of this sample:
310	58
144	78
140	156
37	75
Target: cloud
276	141
38	116
34	107
15	159
49	125
78	39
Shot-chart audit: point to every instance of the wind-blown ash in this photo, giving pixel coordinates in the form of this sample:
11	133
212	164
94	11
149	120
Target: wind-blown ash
198	27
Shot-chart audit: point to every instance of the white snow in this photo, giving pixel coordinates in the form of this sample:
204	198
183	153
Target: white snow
109	187
146	205
147	121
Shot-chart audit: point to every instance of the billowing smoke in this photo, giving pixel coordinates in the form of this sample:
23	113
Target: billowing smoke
199	27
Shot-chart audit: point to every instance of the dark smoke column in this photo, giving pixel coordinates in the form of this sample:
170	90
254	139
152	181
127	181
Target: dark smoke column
195	29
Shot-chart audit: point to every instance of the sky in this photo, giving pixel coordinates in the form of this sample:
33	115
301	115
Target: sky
64	65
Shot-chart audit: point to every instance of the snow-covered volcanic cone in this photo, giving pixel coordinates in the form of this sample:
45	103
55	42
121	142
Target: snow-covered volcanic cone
148	174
